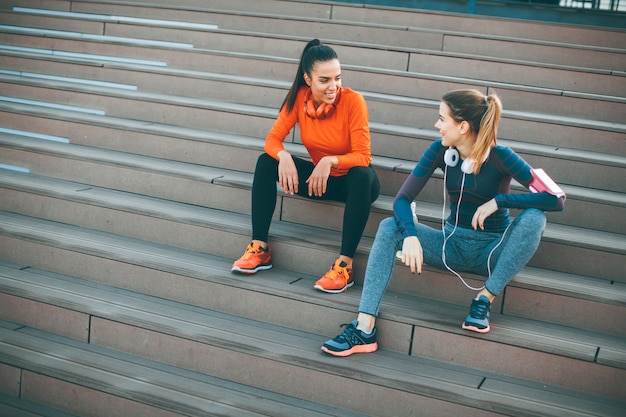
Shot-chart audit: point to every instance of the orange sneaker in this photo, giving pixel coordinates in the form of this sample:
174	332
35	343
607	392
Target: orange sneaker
256	258
337	279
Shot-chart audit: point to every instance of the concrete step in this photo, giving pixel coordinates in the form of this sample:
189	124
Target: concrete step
410	18
13	406
386	16
524	27
196	228
244	350
383	106
79	377
238	153
447	41
271	39
256	121
180	181
561	91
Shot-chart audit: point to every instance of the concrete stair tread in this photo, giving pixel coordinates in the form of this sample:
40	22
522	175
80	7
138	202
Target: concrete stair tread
285	345
571	342
148	382
18	407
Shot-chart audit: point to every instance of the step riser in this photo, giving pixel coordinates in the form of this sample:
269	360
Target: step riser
569	311
544	367
52	23
10	381
45	316
557	55
82	401
519	74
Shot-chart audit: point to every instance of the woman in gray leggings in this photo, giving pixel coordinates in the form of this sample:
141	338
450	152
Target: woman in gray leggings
478	236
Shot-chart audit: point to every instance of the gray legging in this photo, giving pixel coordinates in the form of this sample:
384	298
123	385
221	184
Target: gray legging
467	250
358	189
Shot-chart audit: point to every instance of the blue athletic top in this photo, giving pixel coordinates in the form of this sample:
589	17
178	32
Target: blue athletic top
493	181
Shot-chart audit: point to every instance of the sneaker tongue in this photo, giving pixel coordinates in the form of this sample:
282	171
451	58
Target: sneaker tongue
343	264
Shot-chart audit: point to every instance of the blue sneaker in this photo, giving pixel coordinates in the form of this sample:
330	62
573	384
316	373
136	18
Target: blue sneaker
352	340
478	318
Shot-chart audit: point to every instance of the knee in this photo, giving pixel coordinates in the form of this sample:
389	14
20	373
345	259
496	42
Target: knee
533	219
264	158
364	181
265	162
387	226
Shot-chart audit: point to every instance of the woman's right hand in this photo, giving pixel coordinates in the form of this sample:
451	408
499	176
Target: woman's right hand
412	255
287	173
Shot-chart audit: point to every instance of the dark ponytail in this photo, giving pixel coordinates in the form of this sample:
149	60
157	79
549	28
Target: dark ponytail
314	52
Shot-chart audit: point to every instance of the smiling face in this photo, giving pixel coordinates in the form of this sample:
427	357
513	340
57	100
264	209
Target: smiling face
325	81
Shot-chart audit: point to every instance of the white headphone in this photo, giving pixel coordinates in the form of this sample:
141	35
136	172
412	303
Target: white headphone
451	158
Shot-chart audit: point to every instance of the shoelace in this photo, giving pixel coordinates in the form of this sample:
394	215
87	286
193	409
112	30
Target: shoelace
349	334
479	309
250	251
339	272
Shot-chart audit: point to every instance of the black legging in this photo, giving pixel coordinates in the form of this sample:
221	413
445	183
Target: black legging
358	189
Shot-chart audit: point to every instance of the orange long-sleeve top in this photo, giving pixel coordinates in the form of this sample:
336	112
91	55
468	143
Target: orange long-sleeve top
345	133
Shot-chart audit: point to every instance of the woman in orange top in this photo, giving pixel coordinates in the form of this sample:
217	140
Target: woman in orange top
334	129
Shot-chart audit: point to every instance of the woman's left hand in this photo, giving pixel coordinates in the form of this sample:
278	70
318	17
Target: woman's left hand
483	212
319	177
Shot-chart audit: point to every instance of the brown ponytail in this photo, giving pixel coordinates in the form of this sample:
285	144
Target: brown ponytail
482	113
